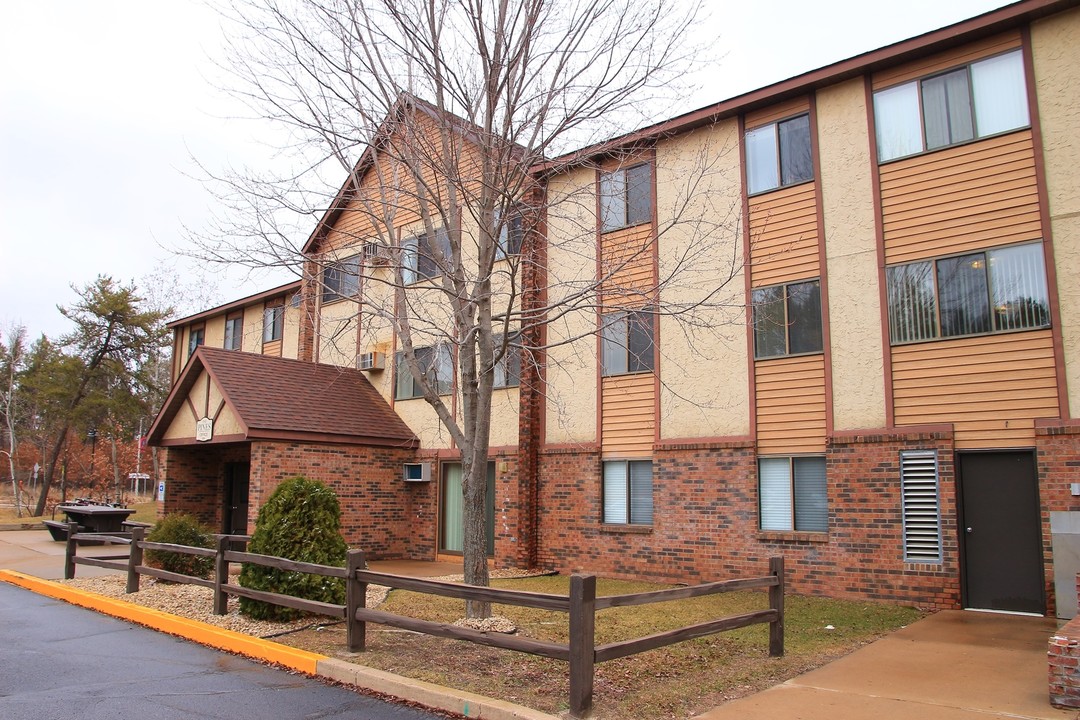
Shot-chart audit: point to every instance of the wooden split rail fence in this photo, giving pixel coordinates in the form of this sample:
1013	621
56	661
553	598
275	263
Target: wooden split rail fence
581	652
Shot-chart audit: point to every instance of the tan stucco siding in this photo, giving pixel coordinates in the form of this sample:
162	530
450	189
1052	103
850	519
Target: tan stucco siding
215	332
253	329
423	421
704	389
571	389
854	312
1053	43
290	333
337	333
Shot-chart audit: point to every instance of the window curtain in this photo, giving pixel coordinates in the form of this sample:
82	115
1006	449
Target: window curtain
761	159
1000	93
811	495
774	479
616	505
897	125
453	509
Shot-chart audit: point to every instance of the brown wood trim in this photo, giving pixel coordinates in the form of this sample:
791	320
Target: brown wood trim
220	407
718	442
823	267
656	298
879	239
206	401
191	406
751	381
192	442
330	438
599	346
902	430
540	244
1047	226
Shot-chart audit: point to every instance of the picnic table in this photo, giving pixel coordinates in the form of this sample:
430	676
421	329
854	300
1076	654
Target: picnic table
99	518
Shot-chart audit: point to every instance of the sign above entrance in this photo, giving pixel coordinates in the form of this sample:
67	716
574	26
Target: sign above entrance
204	430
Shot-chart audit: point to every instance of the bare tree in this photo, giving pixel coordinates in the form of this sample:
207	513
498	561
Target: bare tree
453	107
12	360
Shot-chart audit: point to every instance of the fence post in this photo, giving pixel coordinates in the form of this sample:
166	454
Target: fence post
135	559
355	598
776	602
582	643
221	575
69	550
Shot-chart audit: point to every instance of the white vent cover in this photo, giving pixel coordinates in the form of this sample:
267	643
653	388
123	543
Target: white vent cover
922	508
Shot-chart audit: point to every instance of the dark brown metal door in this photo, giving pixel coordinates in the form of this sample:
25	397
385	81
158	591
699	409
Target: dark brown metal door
1000	532
236	498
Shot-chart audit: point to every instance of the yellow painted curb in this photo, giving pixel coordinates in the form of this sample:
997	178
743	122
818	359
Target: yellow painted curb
199	632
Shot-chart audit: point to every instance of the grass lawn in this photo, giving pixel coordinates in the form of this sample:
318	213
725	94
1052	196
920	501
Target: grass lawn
678	681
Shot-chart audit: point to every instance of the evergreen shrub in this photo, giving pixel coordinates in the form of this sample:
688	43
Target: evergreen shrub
300	521
181	529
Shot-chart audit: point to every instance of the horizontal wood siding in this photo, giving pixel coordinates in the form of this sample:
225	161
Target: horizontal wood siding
272	348
784	236
964	198
783	110
628	425
946	60
626	266
790	394
991	388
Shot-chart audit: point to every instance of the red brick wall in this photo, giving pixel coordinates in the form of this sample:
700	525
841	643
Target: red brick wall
195	480
705	524
1057	446
381	513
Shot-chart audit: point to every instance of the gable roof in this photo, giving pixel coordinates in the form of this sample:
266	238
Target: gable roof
282	399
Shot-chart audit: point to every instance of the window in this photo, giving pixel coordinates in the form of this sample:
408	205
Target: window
787	319
985	98
922	515
273	323
196	337
993	291
793	494
778	155
434	362
417	261
628	492
625	197
511	233
234	332
626	342
508	368
341	279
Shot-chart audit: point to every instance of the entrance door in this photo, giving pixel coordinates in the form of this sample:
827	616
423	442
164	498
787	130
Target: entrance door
452	515
236	498
1000	532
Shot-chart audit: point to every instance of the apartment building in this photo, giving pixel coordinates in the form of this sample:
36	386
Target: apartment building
834	320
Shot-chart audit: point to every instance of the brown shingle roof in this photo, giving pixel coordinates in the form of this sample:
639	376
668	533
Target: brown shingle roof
279	398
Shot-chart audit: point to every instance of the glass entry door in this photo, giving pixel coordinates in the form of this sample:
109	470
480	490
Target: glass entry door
452	510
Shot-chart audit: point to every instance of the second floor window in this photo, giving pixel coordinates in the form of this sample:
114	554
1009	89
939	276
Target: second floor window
341	279
419	262
981	99
626	342
196	337
273	323
234	332
435	362
996	290
625	197
787	319
778	155
508	368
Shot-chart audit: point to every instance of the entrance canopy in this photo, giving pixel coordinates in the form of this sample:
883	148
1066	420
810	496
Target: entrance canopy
227	396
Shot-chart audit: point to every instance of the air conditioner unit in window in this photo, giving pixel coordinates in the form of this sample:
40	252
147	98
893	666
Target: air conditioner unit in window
376	253
417	472
371	361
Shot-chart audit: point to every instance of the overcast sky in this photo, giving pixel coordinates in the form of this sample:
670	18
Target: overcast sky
104	103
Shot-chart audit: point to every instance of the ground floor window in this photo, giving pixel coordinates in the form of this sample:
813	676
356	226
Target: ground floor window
793	495
628	492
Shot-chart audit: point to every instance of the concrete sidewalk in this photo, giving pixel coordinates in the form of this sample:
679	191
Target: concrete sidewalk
34	552
954	665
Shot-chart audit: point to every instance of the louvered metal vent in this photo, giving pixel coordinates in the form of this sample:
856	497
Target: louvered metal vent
922	511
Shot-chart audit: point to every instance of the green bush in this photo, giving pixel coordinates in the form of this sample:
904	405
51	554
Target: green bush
181	529
300	521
